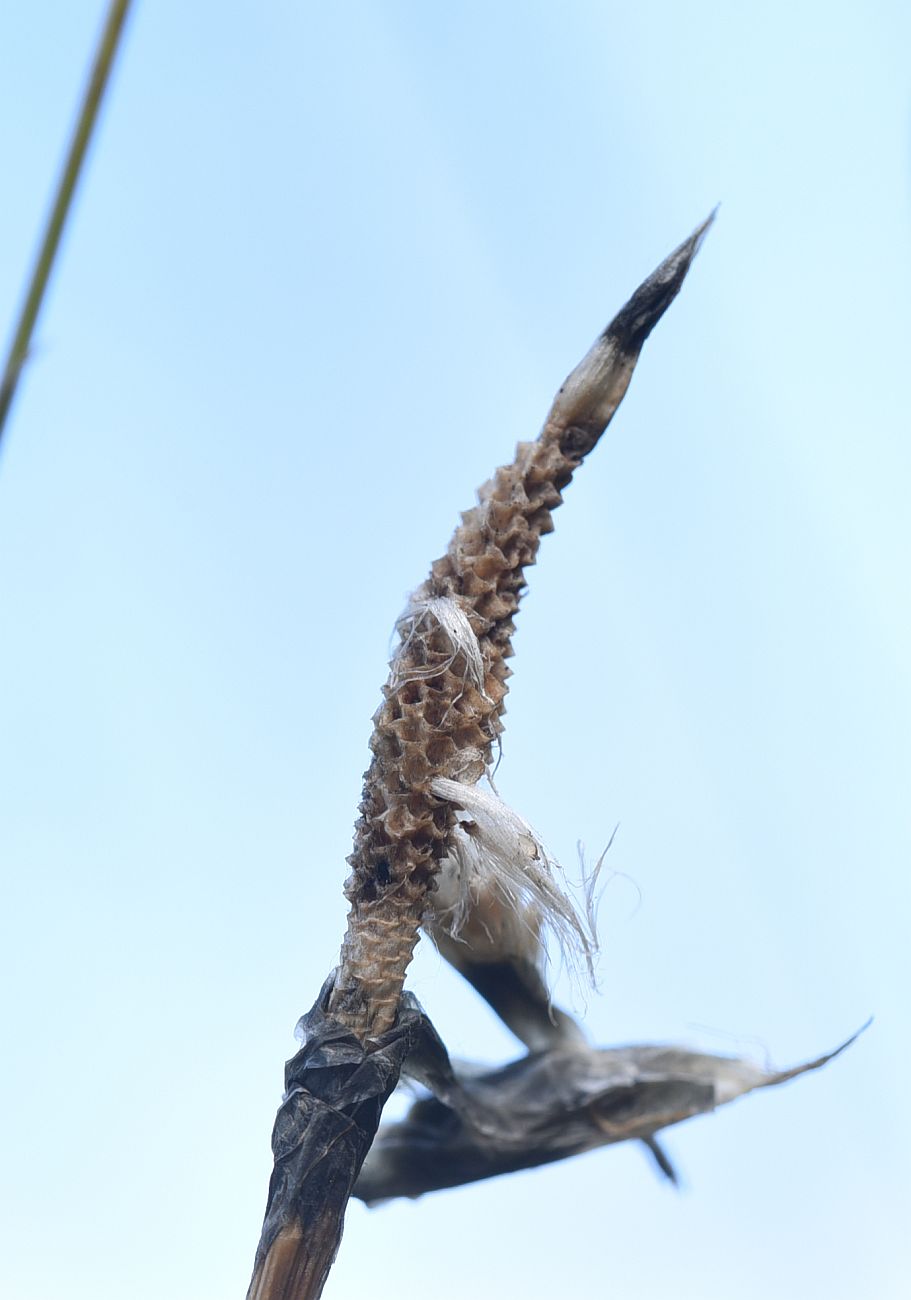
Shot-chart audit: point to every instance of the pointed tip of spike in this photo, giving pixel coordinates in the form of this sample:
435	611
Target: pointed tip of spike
590	395
702	230
633	323
682	257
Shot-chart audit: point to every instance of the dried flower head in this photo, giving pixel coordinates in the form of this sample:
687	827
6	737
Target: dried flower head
442	706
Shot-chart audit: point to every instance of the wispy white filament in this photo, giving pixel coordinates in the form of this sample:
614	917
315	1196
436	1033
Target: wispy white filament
495	851
455	624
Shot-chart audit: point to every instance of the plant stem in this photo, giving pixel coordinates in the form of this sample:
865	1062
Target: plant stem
44	263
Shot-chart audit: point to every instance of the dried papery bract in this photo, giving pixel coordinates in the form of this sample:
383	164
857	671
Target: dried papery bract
550	1105
442	705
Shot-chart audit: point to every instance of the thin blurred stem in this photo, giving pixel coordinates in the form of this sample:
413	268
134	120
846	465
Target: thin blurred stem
66	187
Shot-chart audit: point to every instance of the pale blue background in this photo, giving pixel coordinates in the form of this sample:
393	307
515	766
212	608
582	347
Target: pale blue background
328	264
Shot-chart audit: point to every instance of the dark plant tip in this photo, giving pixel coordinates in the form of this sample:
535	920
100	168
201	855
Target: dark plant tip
702	230
633	323
849	1041
782	1076
663	1162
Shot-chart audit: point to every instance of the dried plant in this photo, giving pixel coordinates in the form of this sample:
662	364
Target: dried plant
435	847
442	709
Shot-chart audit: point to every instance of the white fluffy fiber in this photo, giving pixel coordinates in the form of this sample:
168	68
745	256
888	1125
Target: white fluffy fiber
449	615
494	850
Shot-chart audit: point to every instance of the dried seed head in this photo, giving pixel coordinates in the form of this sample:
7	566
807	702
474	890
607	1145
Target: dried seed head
443	702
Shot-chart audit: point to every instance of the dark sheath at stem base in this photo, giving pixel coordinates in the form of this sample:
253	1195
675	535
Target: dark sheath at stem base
335	1091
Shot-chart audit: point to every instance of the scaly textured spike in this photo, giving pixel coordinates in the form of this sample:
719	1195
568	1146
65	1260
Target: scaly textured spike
440	716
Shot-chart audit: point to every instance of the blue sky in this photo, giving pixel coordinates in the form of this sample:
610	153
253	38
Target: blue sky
328	264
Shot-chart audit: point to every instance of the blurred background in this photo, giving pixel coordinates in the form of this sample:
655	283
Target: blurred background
327	265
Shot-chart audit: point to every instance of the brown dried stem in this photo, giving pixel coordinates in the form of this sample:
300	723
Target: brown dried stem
442	712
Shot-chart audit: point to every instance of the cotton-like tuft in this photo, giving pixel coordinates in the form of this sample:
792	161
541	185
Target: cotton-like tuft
499	876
